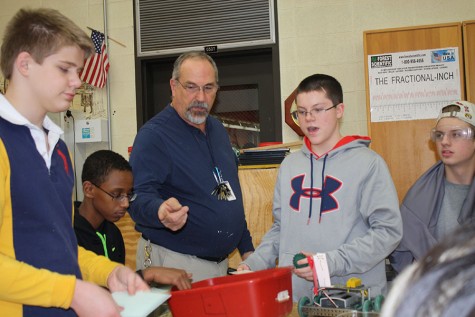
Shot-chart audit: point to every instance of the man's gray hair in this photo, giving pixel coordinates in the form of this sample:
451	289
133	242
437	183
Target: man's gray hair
199	55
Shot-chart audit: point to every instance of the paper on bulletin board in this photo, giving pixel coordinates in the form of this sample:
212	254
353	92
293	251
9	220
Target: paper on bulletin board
412	85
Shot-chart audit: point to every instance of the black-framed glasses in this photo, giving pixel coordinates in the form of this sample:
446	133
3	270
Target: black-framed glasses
312	112
192	89
118	197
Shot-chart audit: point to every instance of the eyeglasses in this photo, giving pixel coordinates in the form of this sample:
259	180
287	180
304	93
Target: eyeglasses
455	134
313	112
118	197
193	89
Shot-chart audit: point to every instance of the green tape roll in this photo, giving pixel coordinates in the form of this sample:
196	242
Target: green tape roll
298	257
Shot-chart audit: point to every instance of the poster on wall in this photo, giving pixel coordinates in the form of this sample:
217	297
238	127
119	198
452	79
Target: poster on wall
412	85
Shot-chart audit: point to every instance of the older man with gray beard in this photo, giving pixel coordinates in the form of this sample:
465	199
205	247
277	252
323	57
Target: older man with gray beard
189	205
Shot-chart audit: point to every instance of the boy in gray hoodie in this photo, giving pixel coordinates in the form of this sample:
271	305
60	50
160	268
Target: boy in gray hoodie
334	197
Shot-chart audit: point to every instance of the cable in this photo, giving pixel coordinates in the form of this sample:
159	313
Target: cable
70	115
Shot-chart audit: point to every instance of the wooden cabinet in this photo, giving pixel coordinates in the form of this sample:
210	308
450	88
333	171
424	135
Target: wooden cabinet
468	28
131	236
257	184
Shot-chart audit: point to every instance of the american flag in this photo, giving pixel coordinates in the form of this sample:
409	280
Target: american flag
97	65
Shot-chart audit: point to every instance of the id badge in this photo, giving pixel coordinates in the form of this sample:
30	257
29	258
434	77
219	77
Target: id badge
230	196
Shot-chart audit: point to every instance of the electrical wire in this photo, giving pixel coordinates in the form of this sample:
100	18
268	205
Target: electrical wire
70	115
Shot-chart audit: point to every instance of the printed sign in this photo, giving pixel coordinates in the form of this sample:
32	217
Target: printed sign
412	85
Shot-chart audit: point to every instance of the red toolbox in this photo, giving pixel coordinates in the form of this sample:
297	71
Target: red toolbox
266	293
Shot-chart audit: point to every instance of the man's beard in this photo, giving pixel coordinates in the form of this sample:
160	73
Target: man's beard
197	117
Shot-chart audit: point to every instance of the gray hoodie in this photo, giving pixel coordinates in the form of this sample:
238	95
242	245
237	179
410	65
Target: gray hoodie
354	217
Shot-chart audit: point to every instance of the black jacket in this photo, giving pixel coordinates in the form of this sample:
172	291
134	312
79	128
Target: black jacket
89	239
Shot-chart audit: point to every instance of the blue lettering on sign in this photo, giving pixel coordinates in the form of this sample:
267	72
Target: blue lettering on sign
443	56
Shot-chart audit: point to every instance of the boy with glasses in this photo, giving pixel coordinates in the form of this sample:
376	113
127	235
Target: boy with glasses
43	272
107	183
443	198
334	199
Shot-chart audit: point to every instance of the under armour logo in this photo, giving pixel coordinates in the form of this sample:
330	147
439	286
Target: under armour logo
329	203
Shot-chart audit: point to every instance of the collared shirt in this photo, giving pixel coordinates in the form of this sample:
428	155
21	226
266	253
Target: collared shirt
9	113
171	158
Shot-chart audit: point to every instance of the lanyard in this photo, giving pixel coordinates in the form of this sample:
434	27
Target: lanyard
222	190
104	244
206	136
217	175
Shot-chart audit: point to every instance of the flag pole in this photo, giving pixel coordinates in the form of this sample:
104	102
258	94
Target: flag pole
110	38
109	117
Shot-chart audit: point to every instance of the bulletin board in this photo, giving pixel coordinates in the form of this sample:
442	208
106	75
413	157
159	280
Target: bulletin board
405	145
469	52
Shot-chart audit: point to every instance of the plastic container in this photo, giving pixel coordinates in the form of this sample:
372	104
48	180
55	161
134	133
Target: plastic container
265	293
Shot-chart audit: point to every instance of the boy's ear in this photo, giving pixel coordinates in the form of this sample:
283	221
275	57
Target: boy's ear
22	62
340	109
88	189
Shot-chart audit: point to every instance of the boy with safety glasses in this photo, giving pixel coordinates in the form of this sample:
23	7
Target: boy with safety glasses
443	198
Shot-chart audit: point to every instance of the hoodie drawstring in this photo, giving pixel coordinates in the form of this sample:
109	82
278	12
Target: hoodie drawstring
322	195
311	189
